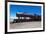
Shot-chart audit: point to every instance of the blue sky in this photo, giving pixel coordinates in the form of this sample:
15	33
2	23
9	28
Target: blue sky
24	8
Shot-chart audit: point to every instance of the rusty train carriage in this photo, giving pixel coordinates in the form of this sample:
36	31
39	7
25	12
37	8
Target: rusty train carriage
32	17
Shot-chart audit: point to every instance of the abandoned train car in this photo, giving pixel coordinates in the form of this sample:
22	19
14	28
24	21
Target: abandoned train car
24	17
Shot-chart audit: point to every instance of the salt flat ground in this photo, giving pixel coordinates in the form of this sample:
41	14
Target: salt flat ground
23	25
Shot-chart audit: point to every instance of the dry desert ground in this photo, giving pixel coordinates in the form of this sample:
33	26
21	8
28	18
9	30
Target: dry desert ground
23	25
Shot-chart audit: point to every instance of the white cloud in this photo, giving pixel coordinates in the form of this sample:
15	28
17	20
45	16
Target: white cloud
14	17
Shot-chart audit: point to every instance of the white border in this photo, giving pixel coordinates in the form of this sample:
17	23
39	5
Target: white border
30	29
